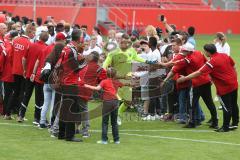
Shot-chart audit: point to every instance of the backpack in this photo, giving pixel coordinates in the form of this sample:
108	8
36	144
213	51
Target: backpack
55	77
56	73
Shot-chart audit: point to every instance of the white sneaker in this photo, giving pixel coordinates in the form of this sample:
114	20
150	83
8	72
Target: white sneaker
119	121
102	142
157	117
86	135
153	118
147	118
35	123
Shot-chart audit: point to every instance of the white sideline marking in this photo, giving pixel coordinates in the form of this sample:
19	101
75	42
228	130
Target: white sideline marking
182	139
163	130
123	130
150	136
15	124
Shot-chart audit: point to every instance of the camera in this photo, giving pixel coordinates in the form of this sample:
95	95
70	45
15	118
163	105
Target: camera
162	18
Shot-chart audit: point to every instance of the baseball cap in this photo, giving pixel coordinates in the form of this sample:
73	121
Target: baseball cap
143	41
61	36
187	47
135	33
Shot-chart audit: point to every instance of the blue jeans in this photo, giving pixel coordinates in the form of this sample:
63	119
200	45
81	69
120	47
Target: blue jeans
49	96
183	100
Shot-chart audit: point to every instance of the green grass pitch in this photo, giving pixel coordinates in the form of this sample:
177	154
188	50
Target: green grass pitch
139	140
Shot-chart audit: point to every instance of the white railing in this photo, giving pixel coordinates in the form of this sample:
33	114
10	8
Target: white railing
232	5
169	2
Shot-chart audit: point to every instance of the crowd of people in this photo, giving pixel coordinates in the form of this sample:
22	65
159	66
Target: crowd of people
67	68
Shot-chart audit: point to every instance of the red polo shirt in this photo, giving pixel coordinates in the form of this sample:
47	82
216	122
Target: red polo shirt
69	61
7	75
42	57
221	69
35	50
183	85
110	88
190	64
21	46
91	74
2	53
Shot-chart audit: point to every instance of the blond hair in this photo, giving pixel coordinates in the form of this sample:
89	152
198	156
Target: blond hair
221	36
112	32
151	31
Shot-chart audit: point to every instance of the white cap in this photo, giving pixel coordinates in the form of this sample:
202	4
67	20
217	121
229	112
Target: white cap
187	47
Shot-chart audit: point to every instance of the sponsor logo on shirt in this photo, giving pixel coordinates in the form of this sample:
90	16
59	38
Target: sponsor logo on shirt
18	47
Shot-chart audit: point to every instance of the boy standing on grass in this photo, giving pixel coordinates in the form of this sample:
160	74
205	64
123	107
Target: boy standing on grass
110	104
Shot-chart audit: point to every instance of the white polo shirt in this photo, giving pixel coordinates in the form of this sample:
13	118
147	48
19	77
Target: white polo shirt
223	49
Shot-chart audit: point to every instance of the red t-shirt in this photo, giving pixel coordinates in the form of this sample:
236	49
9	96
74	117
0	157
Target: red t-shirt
35	50
91	74
190	64
221	69
7	75
42	57
110	88
21	46
183	85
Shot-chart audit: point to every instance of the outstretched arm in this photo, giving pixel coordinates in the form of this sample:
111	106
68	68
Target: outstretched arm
97	88
169	76
189	77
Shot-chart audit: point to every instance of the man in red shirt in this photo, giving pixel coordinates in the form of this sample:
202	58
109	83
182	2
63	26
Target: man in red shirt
20	47
7	76
3	30
201	86
69	80
34	51
223	73
183	89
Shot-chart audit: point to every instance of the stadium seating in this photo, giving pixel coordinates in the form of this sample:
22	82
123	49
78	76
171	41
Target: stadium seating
123	3
164	4
41	2
184	4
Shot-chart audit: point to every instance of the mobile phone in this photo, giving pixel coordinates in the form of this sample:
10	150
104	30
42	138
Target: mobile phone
162	18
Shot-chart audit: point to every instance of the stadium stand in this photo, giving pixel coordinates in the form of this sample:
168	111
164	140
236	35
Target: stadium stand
41	2
184	4
163	4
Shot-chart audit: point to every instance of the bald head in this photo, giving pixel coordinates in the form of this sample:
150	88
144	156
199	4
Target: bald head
44	36
3	29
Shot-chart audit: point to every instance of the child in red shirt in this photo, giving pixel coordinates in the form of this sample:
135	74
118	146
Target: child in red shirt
110	104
